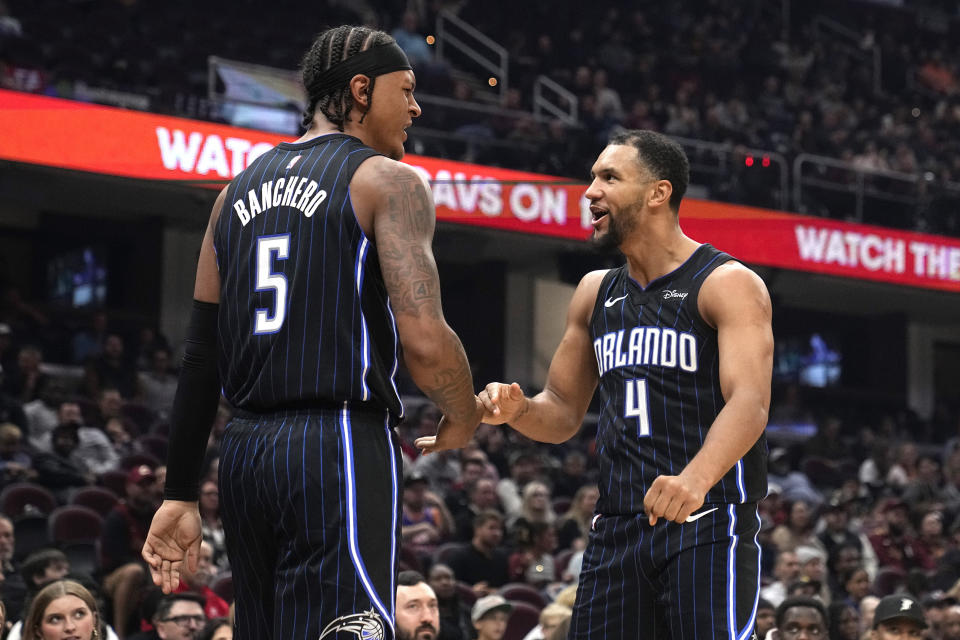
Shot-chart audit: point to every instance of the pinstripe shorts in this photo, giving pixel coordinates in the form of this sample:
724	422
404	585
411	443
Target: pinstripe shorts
691	581
309	503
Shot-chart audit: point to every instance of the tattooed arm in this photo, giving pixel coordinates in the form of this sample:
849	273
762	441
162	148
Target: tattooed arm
403	221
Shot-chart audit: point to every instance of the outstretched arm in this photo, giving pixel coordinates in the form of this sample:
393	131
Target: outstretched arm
735	301
555	414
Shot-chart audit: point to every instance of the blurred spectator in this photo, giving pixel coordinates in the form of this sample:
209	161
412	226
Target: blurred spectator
179	616
837	534
894	542
766	618
525	466
118	431
794	485
903	471
12	587
88	343
417	608
572	476
111	369
844	622
26	382
536	506
786	571
149	342
124	532
217	629
61	470
551	617
424	521
158	384
199	582
951	623
483	496
209	505
482	564
454	612
41	568
813	568
473	466
532	562
490	615
94	451
575	524
798	529
898	615
408	35
855	585
16	464
926	486
932	543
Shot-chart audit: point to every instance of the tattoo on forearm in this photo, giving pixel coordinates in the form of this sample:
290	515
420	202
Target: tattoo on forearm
452	388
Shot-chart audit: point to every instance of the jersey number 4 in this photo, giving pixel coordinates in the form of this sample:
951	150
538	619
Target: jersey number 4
268	248
637	405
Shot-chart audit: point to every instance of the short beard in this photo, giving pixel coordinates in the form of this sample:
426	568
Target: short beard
617	230
403	635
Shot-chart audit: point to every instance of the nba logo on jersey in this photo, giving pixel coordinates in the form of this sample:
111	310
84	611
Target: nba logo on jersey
295	160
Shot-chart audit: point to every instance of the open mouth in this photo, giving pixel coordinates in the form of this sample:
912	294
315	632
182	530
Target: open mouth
598	213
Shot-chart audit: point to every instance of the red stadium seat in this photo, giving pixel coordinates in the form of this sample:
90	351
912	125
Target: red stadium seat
136	459
26	497
99	499
561	560
523	618
466	593
115	481
154	445
522	592
223	586
561	505
888	580
75	524
448	550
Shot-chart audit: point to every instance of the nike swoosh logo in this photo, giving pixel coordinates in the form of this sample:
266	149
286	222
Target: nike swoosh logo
696	516
610	303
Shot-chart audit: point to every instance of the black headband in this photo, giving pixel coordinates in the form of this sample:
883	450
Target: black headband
375	61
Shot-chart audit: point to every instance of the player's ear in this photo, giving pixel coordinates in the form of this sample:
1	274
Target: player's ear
662	190
359	88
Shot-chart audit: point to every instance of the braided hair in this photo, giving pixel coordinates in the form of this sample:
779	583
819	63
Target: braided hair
333	46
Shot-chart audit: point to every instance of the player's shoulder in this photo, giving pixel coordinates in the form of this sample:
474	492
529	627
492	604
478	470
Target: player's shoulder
733	274
733	288
379	172
585	296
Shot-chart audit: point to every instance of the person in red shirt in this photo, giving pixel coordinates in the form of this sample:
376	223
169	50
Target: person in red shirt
199	582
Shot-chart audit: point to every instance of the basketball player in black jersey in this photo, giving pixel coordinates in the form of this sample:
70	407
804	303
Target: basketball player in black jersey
316	268
679	340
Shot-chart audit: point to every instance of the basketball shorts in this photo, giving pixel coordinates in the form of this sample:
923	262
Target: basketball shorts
309	502
694	581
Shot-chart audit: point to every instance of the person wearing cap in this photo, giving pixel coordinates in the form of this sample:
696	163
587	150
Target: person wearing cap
490	615
124	530
786	571
837	534
895	544
898	616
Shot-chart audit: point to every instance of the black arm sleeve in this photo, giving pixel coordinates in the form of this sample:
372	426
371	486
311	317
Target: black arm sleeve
194	406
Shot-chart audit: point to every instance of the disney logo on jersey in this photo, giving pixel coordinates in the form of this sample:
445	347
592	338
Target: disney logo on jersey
670	293
366	626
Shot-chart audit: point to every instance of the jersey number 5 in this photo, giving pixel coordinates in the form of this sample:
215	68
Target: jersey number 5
269	247
637	405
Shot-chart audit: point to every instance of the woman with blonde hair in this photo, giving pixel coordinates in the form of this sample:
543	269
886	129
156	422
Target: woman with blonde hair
576	522
62	608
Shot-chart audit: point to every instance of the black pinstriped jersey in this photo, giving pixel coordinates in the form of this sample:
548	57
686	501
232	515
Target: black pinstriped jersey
660	386
304	315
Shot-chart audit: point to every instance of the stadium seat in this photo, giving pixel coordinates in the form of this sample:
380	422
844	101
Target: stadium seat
115	481
154	445
887	581
26	497
523	618
84	557
31	534
522	592
223	586
142	416
561	560
446	551
99	499
466	593
561	505
74	524
409	557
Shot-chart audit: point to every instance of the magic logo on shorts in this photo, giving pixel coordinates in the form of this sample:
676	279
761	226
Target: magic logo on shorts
366	626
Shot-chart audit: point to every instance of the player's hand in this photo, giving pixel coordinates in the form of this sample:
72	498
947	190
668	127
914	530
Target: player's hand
673	498
174	538
451	434
502	402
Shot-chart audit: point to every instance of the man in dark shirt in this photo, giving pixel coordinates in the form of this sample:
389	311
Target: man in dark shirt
482	564
124	531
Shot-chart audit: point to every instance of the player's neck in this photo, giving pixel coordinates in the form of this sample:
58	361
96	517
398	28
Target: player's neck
656	250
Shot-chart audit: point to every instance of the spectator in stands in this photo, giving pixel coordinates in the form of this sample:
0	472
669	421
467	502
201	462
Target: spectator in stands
794	485
118	431
536	506
898	616
766	618
411	39
482	564
837	534
217	629
111	370
532	562
551	617
903	471
209	505
454	612
813	567
925	488
63	609
179	616
425	521
575	524
931	544
41	416
798	529
61	470
8	359
3	619
490	615
199	582
483	496
799	615
418	616
572	476
95	451
786	571
895	543
26	381
12	587
844	621
149	342
16	464
951	623
525	466
88	343
473	467
867	607
41	568
855	586
158	383
124	531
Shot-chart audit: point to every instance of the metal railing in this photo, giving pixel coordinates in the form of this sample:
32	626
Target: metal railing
454	33
543	89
